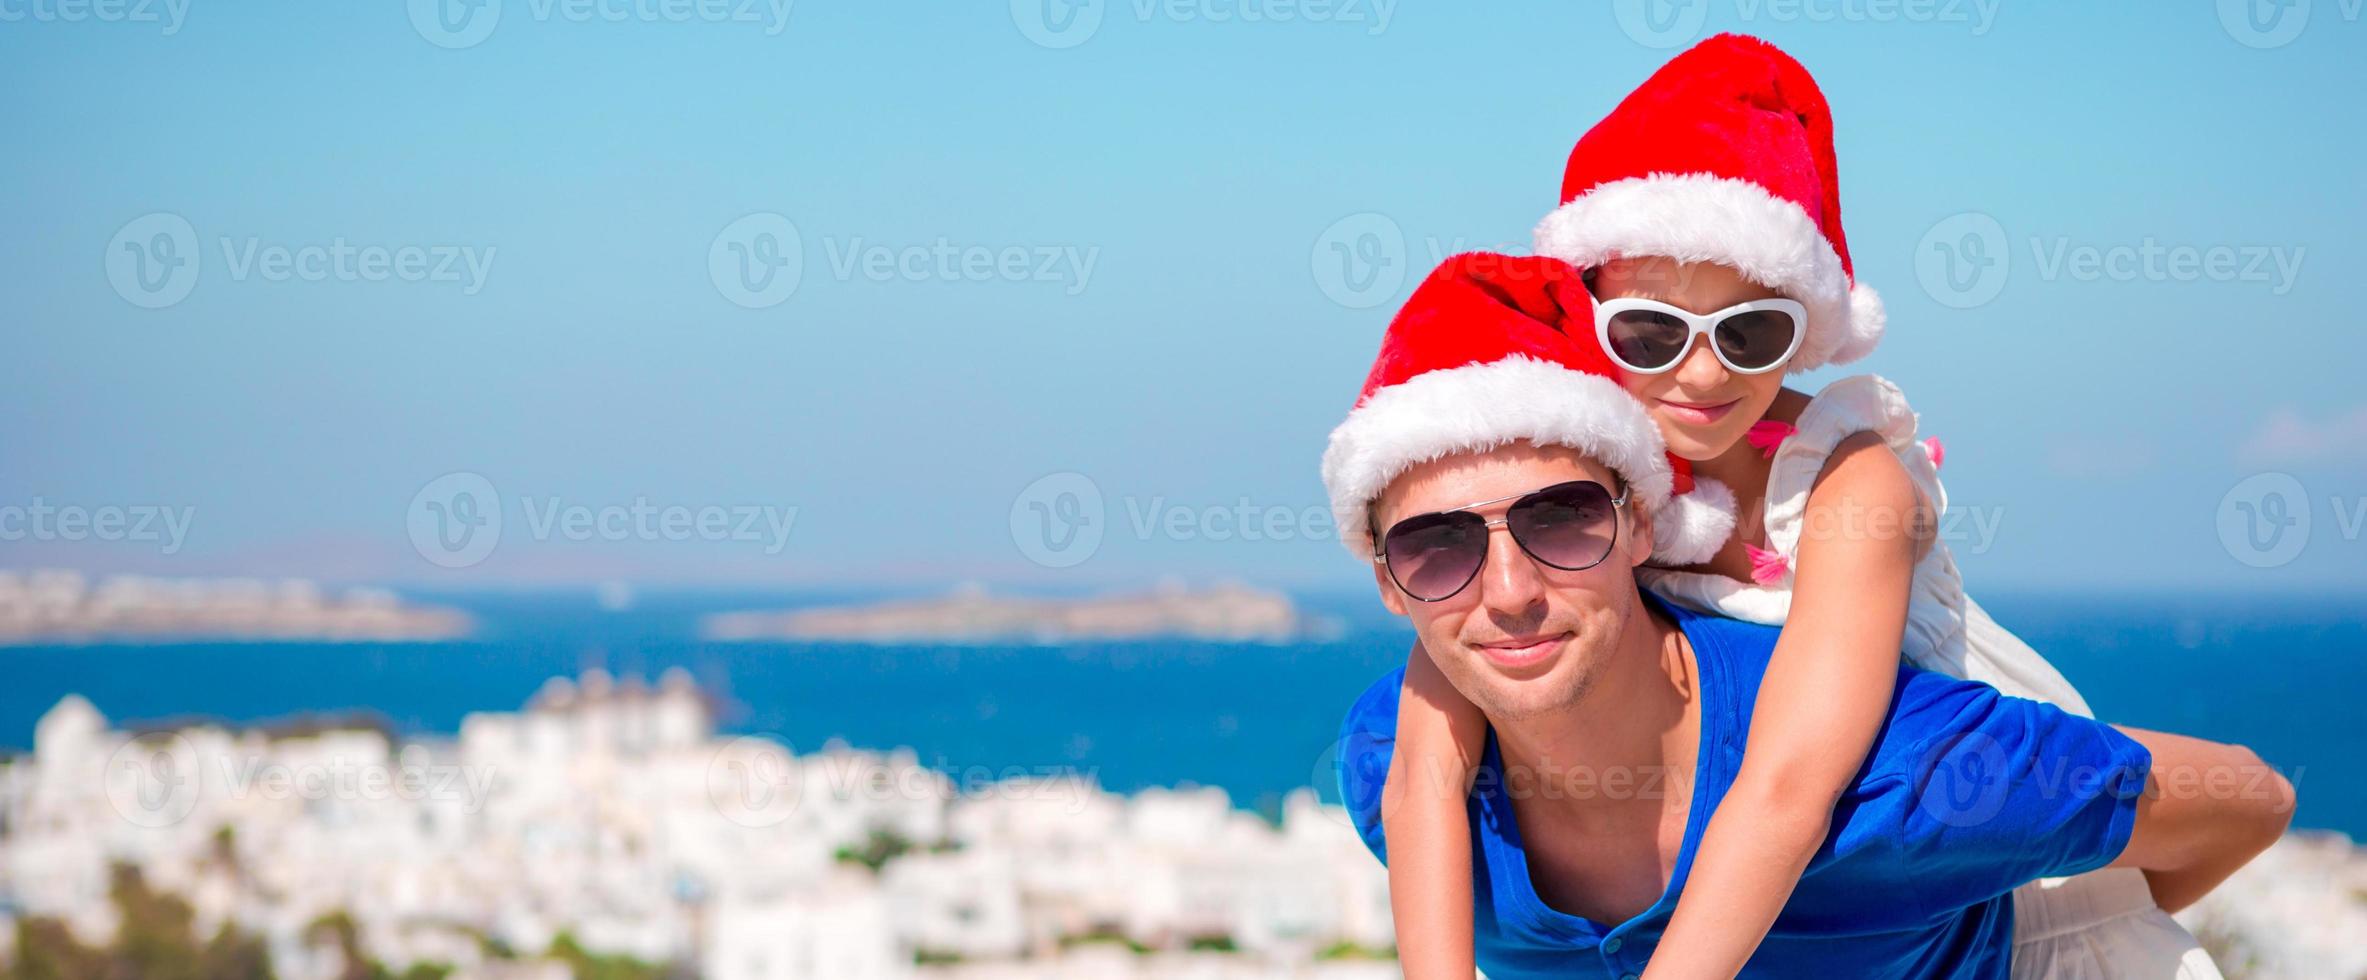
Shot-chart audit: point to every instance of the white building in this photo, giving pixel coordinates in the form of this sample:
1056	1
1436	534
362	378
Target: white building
612	813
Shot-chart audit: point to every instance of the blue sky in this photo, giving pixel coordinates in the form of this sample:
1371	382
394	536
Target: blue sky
1085	264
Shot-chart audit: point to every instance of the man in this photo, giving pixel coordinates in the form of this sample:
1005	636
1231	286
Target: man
1494	476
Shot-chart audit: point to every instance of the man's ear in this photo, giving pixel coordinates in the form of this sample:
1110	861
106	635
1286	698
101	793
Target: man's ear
1639	542
1391	598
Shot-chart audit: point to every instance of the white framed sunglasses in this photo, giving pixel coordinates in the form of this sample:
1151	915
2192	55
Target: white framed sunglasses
1647	336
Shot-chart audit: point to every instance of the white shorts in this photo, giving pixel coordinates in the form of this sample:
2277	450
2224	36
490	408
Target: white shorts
2102	924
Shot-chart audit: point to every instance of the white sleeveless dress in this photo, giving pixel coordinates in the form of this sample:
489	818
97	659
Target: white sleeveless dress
2103	924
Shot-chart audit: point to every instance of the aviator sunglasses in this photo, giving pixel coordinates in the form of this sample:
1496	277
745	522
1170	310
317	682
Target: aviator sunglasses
1570	526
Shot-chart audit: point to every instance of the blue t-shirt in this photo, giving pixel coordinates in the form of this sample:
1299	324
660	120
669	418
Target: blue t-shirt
1966	794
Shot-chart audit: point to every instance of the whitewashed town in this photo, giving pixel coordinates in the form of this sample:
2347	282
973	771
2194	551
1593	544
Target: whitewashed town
609	825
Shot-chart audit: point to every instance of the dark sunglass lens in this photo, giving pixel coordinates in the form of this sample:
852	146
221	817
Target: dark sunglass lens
1646	340
1434	555
1568	526
1756	339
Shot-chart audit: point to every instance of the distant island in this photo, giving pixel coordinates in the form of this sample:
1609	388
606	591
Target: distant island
1229	612
48	606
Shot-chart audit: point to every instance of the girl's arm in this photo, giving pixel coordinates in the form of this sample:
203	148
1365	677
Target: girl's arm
1440	735
1827	687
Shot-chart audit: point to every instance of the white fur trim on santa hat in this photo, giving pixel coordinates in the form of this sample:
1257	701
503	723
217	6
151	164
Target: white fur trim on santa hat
1706	218
1692	526
1479	407
1866	320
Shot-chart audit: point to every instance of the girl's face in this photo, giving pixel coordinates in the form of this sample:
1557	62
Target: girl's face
1702	409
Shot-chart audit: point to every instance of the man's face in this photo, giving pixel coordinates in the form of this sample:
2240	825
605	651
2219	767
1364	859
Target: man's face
1524	638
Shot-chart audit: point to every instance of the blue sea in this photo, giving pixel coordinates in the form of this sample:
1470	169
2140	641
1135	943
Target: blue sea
2285	676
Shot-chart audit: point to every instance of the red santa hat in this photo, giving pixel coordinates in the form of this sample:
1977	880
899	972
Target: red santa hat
1724	155
1495	349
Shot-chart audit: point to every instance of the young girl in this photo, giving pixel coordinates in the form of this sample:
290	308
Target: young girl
1706	211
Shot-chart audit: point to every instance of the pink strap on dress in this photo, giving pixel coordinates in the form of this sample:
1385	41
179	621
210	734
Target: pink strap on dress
1767	434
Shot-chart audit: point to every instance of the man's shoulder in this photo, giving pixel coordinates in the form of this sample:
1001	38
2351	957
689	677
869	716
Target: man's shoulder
1367	740
1375	710
1740	648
